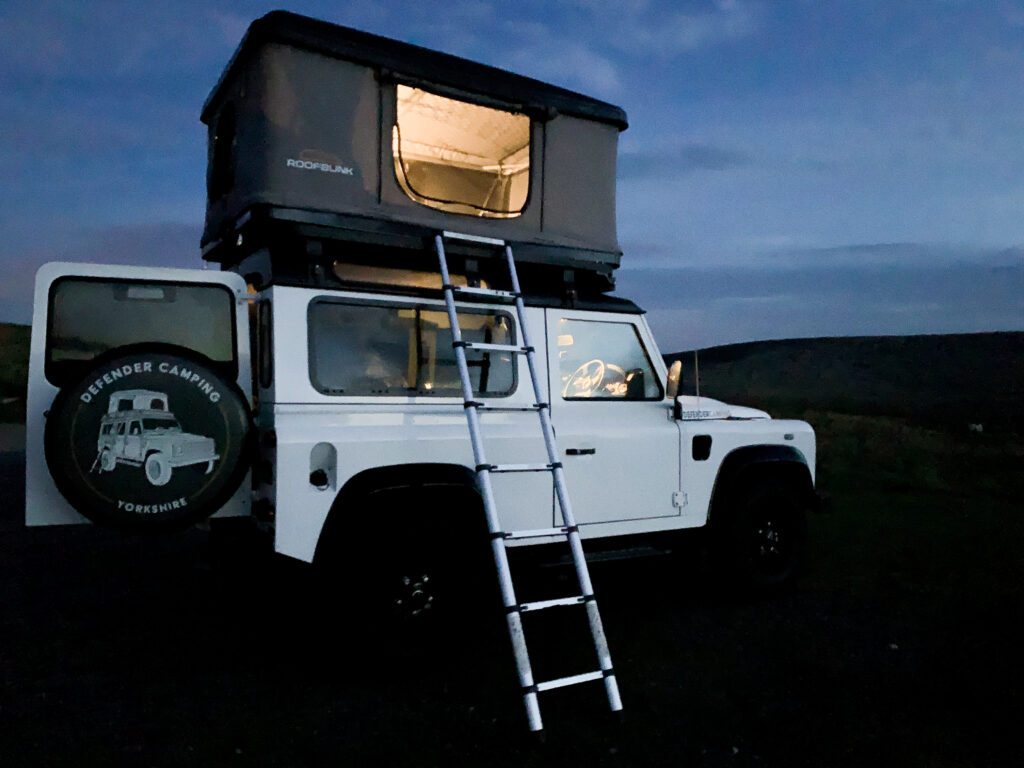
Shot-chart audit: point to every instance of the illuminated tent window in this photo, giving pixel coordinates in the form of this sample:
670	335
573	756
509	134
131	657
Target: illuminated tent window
460	157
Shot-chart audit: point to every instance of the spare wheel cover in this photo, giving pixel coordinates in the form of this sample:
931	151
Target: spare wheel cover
152	438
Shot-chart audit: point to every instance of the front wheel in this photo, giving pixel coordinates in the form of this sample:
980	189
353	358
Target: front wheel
158	469
762	540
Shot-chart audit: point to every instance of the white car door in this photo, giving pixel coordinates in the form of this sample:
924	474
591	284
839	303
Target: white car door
619	444
83	310
133	441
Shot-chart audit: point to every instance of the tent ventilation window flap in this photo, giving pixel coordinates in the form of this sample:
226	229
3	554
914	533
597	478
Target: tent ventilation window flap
459	157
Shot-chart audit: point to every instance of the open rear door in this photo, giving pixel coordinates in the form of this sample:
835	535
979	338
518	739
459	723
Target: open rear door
139	396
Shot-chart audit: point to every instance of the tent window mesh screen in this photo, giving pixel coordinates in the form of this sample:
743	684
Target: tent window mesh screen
461	157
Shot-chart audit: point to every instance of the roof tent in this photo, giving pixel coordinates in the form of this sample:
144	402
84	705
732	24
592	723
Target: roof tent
361	144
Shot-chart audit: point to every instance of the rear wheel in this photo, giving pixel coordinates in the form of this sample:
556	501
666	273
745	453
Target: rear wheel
410	564
425	579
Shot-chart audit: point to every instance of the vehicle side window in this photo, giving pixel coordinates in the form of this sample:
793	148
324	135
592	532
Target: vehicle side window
89	316
600	360
106	428
374	349
120	428
135	428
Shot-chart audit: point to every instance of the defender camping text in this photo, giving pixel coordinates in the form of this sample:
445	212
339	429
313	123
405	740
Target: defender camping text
448	267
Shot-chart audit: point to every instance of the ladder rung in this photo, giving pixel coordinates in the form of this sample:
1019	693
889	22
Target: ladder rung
517	467
472	238
540	605
486	292
538	533
514	348
561	682
483	407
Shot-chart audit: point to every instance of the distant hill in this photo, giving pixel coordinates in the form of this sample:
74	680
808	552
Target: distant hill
942	379
14	342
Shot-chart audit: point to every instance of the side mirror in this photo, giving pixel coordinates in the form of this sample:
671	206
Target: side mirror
675	379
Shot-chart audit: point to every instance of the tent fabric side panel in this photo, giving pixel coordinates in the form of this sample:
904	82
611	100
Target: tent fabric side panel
306	136
579	182
321	115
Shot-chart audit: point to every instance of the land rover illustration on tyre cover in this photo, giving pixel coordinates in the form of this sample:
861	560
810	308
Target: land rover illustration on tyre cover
139	430
407	244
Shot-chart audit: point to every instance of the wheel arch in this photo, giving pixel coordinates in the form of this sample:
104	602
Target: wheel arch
780	460
429	481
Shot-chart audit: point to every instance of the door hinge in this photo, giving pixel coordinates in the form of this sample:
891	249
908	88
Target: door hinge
679	499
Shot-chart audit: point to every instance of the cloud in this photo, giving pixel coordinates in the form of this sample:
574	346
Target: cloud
728	21
659	29
683	158
104	41
583	45
1012	13
543	53
232	26
898	255
580	66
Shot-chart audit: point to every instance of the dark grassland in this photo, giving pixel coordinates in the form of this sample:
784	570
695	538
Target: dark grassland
900	646
941	380
14	342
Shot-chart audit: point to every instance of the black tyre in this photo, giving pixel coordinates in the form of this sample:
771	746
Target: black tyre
409	565
761	541
148	410
422	581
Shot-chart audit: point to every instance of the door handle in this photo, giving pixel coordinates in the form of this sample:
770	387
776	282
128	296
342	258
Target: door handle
580	451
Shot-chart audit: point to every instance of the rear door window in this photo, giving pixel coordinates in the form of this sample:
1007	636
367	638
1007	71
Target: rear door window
89	316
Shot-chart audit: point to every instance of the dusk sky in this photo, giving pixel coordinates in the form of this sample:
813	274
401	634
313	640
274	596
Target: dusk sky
792	169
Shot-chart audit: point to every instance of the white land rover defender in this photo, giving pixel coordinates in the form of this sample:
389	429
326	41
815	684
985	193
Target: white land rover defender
313	377
139	431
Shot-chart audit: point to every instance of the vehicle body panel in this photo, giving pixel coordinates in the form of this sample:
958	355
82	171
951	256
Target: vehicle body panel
631	467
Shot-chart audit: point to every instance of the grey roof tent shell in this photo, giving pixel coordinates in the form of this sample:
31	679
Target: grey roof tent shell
301	88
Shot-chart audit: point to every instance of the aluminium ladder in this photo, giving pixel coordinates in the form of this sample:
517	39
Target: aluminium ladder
568	529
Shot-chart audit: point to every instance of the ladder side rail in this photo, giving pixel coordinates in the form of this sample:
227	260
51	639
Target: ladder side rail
579	559
508	596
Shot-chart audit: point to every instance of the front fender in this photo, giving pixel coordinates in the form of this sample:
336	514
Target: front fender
785	459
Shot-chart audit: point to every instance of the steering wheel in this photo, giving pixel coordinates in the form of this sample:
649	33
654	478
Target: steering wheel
586	379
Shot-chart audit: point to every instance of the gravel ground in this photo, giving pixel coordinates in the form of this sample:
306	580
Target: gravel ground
141	652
